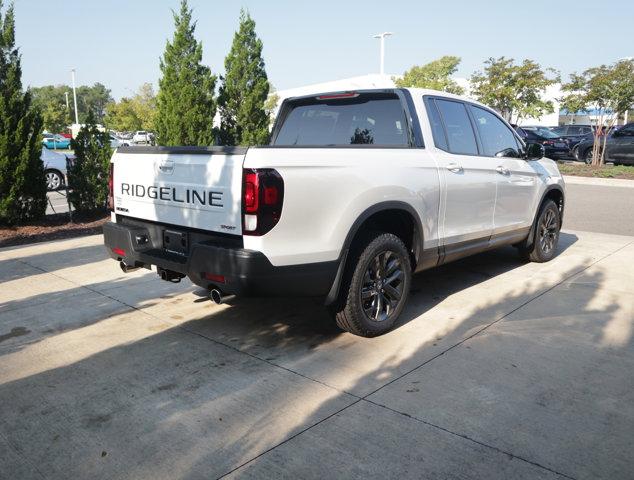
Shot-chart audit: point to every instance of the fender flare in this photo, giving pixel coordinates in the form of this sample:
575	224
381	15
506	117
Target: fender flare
417	241
549	189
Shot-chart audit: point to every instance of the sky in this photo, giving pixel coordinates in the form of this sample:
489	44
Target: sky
119	43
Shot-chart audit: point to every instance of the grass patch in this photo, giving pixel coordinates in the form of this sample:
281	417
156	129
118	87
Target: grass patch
604	171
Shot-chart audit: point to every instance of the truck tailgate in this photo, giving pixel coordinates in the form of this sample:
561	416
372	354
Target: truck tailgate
195	187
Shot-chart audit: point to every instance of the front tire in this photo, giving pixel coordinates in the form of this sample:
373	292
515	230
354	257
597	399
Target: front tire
587	156
376	286
545	237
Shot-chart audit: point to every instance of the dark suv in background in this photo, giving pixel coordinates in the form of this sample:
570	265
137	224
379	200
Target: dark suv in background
573	134
555	147
619	147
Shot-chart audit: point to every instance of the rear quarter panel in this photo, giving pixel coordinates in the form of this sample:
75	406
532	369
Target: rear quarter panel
327	189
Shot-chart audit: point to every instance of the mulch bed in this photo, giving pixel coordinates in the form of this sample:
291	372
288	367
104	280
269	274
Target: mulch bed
53	227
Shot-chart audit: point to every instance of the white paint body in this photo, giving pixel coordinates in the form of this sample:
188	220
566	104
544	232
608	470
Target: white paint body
327	189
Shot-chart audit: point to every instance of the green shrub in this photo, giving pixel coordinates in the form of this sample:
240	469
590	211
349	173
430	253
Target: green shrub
88	174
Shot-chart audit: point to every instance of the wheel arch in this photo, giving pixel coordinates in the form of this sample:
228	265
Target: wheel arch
393	216
555	193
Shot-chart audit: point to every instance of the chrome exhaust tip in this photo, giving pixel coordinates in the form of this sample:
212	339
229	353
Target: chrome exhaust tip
218	298
125	268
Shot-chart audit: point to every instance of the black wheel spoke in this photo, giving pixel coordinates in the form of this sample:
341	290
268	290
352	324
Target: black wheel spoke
397	275
391	266
392	292
548	229
382	286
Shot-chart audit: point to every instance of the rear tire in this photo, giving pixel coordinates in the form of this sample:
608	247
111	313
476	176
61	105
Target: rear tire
587	156
54	180
376	286
545	236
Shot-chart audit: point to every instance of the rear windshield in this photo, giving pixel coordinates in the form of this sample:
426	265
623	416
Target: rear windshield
368	119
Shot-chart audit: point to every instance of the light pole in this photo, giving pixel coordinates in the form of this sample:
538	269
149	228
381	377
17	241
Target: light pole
382	37
72	72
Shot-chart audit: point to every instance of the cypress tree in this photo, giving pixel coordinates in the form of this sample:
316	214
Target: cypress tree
185	101
89	173
22	185
245	86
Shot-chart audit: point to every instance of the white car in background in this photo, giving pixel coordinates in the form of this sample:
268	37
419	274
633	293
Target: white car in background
144	137
116	142
54	169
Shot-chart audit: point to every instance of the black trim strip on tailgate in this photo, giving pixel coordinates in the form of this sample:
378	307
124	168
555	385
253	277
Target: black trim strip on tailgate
214	150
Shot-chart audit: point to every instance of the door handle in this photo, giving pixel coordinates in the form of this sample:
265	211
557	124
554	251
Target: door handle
502	171
455	168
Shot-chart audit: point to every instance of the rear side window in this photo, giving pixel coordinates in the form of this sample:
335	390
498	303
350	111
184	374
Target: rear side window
437	130
460	135
376	119
497	139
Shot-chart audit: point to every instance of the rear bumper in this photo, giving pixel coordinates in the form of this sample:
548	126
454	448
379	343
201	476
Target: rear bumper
245	272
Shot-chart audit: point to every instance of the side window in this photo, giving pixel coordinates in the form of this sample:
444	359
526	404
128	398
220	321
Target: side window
440	140
574	130
460	135
497	139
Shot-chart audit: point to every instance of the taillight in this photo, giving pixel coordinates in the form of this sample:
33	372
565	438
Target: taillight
262	198
337	96
111	187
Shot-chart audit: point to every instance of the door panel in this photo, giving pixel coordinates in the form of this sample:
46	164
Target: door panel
518	187
469	197
620	147
516	178
468	182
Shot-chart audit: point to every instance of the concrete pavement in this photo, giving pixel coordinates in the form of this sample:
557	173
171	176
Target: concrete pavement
57	202
600	208
499	369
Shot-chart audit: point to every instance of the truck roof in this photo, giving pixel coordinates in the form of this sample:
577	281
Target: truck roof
412	90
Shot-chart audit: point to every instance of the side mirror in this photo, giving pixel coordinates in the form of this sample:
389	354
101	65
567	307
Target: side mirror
534	151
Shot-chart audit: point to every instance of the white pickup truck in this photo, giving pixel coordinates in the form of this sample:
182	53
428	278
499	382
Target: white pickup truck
355	193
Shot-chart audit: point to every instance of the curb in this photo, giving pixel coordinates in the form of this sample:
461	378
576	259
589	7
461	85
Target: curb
600	182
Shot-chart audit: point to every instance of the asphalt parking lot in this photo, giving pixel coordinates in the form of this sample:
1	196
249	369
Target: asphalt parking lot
498	369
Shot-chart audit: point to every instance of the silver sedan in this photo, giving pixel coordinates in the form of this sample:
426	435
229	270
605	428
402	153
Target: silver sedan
54	169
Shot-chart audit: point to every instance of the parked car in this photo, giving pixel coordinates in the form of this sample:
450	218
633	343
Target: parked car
355	193
125	135
56	142
555	147
573	134
116	142
143	137
619	147
572	130
54	169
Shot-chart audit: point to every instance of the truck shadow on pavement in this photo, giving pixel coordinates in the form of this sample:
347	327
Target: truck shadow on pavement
249	323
